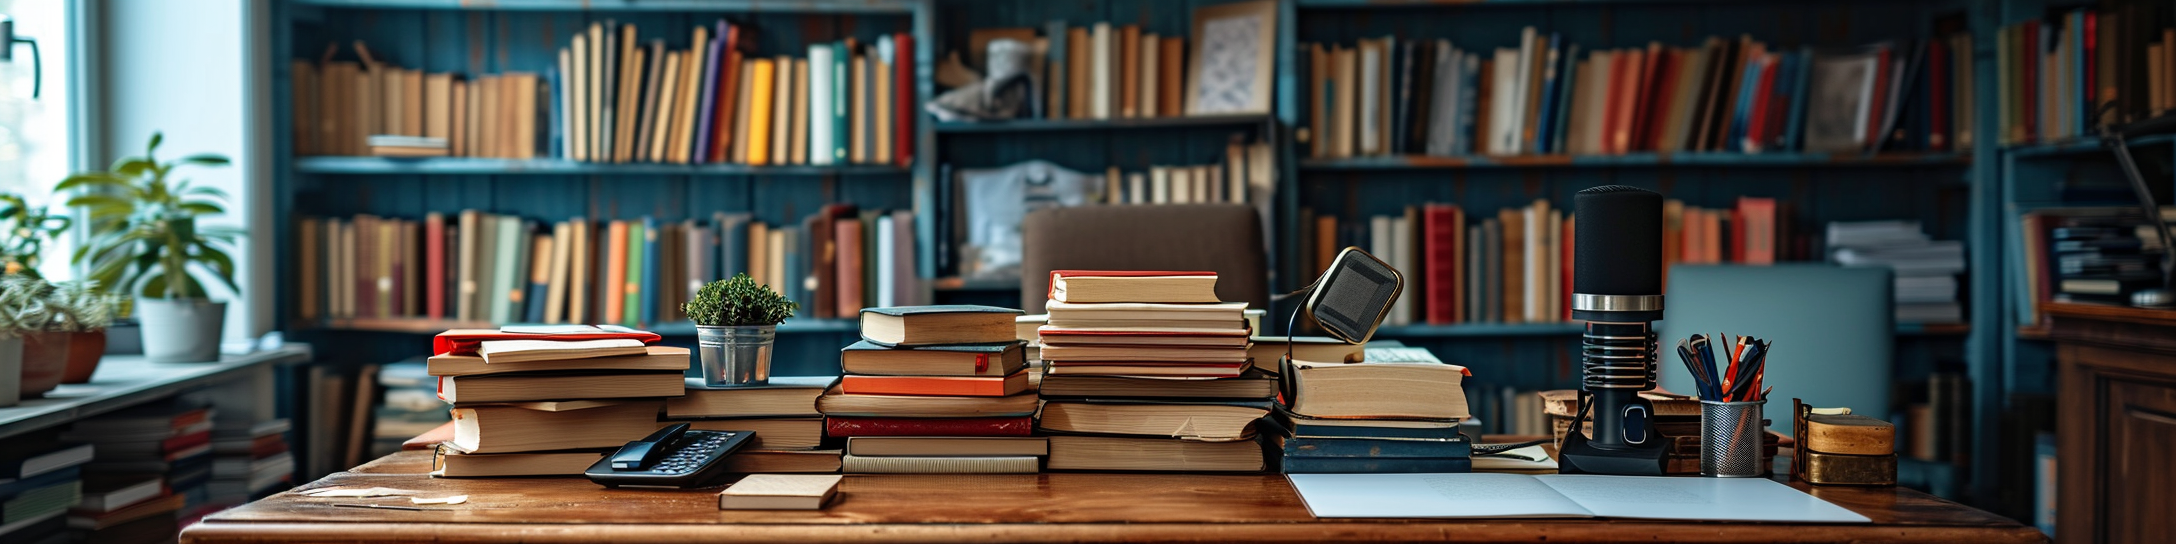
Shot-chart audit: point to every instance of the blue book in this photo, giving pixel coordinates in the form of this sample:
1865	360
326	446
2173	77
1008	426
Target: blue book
1748	80
1377	448
796	270
1545	119
10	489
1339	465
1054	85
1780	95
535	287
732	245
1466	81
841	84
1568	74
1793	139
651	283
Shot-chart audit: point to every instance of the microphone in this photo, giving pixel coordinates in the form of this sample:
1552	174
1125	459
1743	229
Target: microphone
1617	290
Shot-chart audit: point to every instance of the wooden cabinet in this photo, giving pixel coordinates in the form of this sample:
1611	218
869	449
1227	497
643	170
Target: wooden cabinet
2116	424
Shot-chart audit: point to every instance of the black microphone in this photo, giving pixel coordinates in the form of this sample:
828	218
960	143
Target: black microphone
1617	290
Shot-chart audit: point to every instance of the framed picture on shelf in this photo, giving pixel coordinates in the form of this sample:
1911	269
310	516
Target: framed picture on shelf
1234	49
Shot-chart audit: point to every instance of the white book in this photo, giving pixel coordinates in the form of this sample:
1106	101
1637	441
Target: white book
1234	175
887	256
1502	131
1137	186
1100	72
1370	84
1382	242
1151	50
1401	253
1443	116
1182	186
820	139
1161	192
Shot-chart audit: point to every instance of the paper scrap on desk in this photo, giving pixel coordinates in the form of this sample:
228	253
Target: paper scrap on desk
1527	458
350	492
456	499
1484	495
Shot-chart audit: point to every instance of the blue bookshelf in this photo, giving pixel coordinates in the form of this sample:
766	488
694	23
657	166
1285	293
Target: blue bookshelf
1058	125
557	167
1720	160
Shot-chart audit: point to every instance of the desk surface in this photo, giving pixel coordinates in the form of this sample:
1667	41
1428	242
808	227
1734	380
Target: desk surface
997	508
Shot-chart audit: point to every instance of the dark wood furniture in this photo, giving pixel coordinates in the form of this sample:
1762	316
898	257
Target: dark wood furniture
996	508
2115	423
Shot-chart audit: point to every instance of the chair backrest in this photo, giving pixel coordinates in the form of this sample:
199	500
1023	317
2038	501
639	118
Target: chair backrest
1225	238
1833	329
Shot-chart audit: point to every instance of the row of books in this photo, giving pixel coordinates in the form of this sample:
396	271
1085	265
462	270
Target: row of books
369	106
2084	254
1392	96
719	101
1516	266
139	474
481	267
1100	71
2056	73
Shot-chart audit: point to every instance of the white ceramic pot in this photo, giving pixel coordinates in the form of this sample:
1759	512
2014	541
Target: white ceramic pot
11	371
181	330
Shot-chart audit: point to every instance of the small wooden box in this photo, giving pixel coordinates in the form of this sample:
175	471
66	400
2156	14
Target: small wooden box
1842	449
1838	469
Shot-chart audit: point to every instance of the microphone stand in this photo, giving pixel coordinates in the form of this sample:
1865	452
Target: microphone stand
2115	139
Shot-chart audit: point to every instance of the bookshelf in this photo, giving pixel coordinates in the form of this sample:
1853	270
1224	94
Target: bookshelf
557	167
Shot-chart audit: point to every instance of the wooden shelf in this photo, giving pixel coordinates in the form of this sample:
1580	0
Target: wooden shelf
795	6
417	325
1428	162
2082	146
964	284
127	380
1058	125
482	166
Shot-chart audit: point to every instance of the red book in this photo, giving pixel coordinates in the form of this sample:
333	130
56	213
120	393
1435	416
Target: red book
1565	287
2029	56
936	386
434	267
721	123
186	441
841	427
1881	97
1644	103
1755	224
848	264
1665	88
1439	246
907	107
1610	109
1757	122
465	341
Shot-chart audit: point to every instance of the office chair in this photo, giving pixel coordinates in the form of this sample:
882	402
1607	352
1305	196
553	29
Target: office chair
1833	329
1225	238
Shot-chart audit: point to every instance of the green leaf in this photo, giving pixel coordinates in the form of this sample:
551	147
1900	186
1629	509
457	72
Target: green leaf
213	192
201	208
154	286
90	179
156	137
133	167
207	159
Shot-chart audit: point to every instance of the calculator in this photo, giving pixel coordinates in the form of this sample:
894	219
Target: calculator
671	457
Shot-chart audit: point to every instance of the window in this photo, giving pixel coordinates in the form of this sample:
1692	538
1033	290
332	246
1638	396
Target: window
34	130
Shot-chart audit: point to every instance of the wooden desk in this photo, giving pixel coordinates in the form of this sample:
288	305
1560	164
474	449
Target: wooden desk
996	508
2115	423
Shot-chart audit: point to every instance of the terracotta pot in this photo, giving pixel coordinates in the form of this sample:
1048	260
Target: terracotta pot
84	349
45	357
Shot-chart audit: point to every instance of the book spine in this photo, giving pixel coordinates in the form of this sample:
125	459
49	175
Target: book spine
855	464
841	427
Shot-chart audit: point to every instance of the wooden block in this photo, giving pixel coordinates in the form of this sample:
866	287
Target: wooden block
1850	435
1837	469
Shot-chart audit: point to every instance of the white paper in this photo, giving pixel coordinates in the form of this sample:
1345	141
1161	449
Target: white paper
1483	495
1432	496
1728	499
1536	458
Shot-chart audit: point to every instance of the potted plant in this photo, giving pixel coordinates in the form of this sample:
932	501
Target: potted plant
145	242
736	321
41	355
24	229
81	313
15	314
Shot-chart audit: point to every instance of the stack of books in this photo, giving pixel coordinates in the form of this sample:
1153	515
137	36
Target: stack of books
2083	254
1397	416
123	508
789	432
250	460
550	406
1926	269
935	389
169	440
41	478
1149	371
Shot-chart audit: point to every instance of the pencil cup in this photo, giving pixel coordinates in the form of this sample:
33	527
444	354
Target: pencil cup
1730	435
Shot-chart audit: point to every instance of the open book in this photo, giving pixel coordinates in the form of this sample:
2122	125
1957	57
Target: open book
1484	495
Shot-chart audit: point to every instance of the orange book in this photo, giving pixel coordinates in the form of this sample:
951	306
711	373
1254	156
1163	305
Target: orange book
761	88
1129	71
1171	100
936	386
615	271
1326	247
1077	52
848	266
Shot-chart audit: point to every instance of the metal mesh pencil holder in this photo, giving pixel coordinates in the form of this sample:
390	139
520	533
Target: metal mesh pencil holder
1730	439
